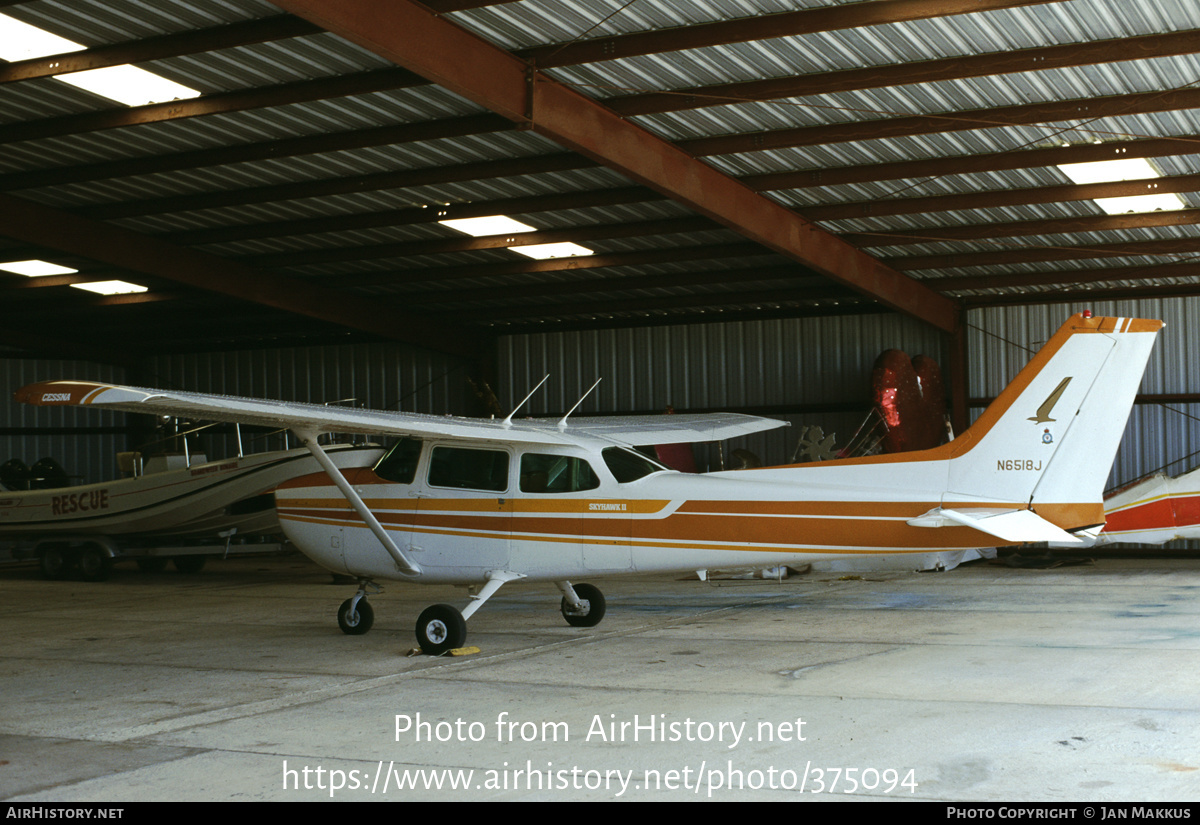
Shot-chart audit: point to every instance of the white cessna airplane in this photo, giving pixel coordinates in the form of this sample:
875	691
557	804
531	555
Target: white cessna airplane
485	502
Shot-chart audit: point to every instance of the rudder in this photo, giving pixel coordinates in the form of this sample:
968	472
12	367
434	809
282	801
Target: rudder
1049	440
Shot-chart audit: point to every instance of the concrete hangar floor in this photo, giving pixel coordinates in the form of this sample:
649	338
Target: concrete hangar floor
983	683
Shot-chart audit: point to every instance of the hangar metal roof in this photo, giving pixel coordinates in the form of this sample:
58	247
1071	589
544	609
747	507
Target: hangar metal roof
720	158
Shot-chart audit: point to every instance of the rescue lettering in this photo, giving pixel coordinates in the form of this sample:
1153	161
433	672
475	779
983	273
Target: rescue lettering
1003	464
79	502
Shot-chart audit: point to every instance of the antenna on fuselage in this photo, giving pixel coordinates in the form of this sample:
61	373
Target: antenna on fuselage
562	422
506	423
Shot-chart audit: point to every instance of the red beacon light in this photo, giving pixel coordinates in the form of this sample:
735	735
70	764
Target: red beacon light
1087	313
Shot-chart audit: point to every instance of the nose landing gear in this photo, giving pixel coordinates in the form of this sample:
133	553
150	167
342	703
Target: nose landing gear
442	627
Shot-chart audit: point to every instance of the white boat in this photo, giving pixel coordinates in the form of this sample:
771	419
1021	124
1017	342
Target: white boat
178	502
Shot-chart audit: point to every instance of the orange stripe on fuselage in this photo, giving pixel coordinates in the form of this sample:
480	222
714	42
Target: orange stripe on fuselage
695	523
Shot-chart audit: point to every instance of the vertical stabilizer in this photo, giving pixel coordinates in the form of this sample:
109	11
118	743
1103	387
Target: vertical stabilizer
1050	438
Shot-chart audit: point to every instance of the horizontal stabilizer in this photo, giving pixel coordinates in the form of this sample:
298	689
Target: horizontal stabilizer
1009	525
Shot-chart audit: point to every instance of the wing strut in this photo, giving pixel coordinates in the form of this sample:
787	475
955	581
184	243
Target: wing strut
309	439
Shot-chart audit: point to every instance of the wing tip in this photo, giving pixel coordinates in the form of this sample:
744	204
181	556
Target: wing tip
58	393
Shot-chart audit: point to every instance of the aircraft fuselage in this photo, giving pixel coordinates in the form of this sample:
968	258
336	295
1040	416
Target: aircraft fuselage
586	521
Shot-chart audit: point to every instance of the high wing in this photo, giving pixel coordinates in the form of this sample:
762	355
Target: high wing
631	431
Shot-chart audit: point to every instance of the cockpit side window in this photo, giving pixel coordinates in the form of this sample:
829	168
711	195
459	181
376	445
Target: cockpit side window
464	468
627	466
556	474
399	464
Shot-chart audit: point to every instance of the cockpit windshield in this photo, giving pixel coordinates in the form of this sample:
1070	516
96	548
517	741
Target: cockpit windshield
399	464
627	466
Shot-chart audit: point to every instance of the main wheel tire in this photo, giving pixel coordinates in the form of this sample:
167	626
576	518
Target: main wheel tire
441	628
55	561
595	607
94	564
189	564
358	622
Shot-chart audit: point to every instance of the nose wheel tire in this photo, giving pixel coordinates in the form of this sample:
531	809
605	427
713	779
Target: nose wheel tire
441	628
593	610
359	621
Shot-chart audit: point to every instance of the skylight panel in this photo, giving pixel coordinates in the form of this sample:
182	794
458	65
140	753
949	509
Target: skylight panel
36	268
129	85
504	225
125	84
489	225
1109	171
21	41
542	251
1141	203
111	287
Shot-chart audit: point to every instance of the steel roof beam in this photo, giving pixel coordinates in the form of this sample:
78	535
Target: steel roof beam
1035	59
662	318
928	71
610	197
940	167
265	150
424	176
445	6
1039	254
418	215
1077	296
412	36
1058	111
114	245
1003	197
303	91
1183	269
1017	229
34	340
440	246
444	274
624	283
762	27
231	36
825	292
970	164
480	124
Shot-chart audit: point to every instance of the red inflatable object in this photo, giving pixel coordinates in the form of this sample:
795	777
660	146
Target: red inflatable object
911	398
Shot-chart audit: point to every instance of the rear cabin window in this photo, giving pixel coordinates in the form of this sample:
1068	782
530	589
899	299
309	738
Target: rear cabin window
556	474
399	464
626	465
463	468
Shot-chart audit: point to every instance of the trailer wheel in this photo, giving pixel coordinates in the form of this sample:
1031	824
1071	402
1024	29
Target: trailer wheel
54	561
94	564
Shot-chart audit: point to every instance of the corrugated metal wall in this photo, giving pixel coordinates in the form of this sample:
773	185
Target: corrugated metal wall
381	376
85	458
1158	435
377	376
776	363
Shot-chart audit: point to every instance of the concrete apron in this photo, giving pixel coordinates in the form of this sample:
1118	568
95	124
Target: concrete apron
983	683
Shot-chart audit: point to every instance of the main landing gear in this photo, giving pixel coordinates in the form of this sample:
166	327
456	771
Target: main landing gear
442	627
